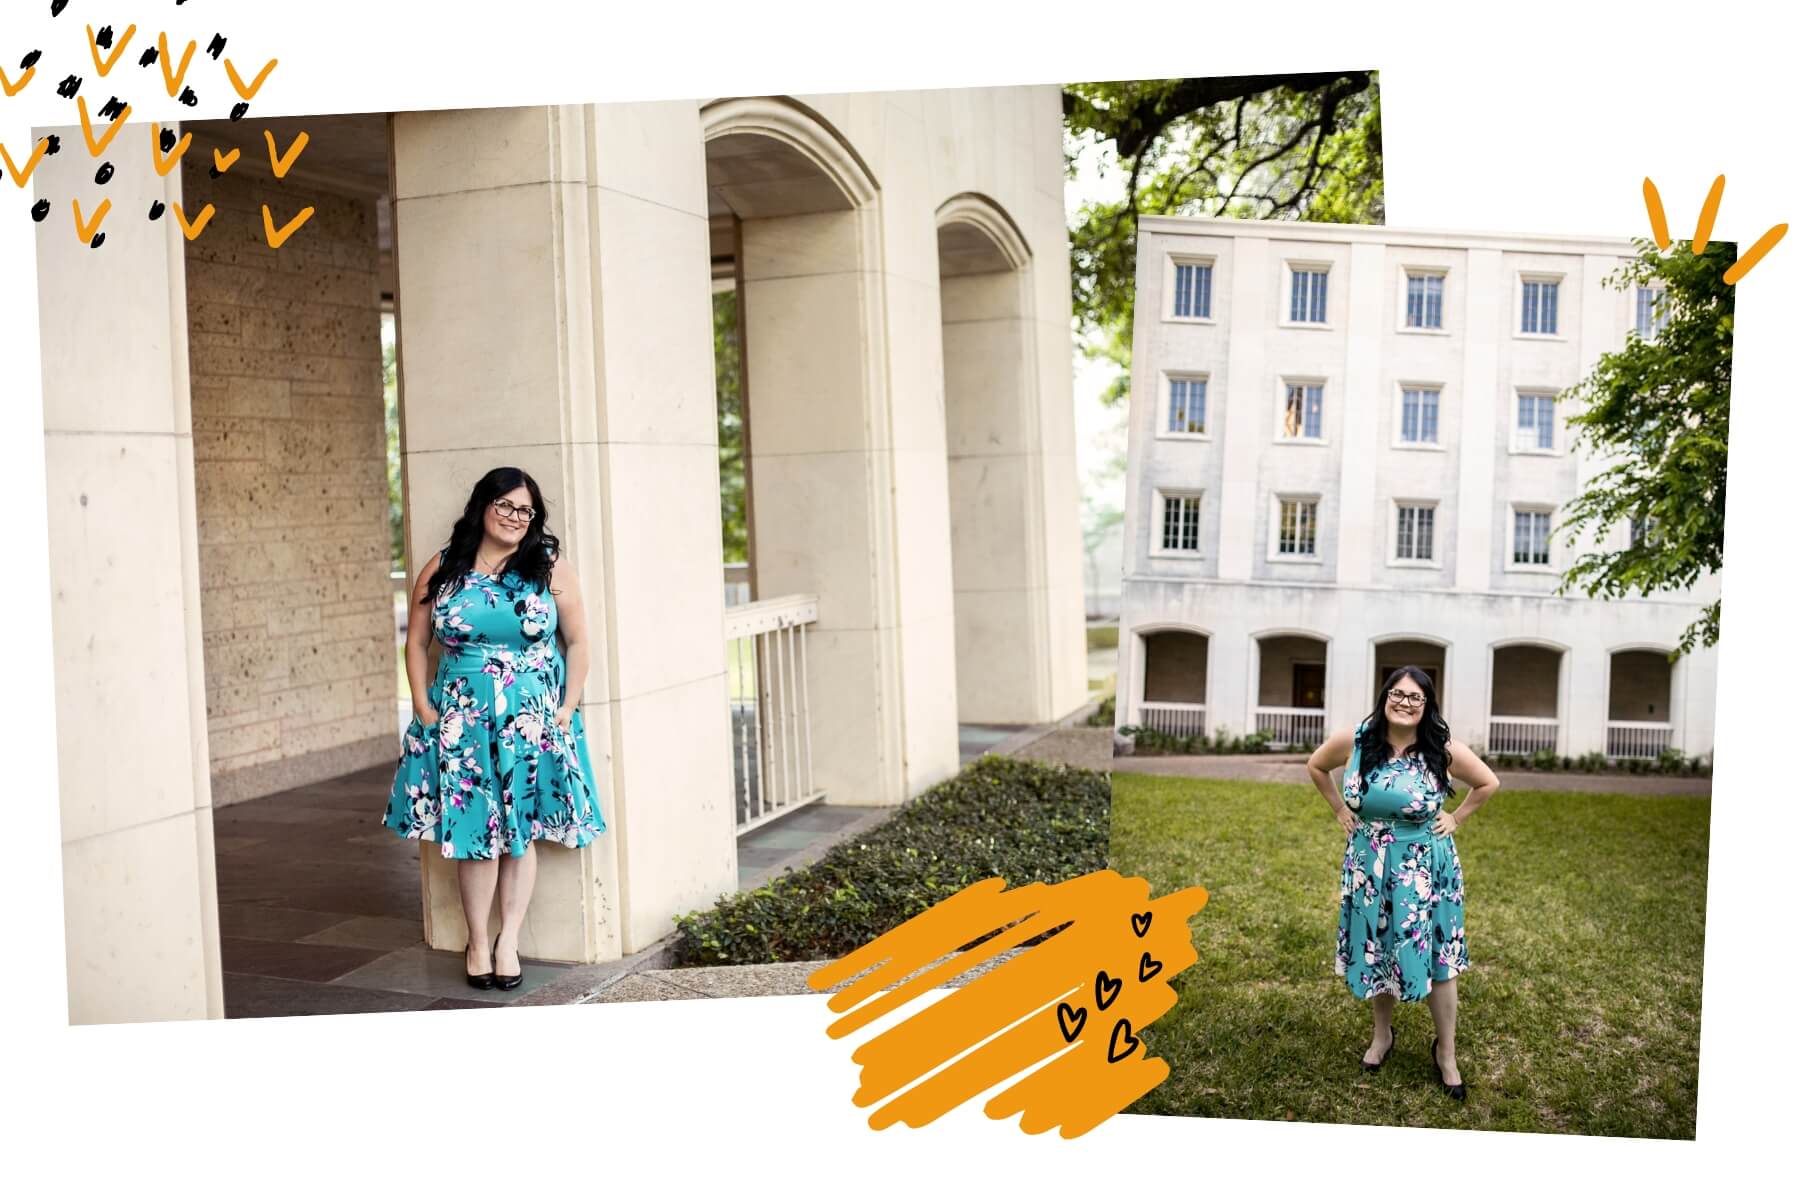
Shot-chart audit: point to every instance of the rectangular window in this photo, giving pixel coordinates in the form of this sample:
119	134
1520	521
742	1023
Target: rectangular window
1536	429
1193	290
1652	313
1531	537
1187	406
1539	312
1643	529
1304	416
1306	302
1299	534
1424	301
1419	416
1413	532
1181	523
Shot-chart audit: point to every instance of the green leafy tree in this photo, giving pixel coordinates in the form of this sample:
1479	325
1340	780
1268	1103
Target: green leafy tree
728	371
1658	413
1304	146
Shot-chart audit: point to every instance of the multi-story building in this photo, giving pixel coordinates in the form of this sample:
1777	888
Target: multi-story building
1347	455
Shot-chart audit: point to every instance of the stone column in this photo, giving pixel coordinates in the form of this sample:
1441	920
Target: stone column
552	298
140	901
1247	406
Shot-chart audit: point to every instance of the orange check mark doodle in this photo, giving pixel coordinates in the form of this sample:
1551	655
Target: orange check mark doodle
237	81
11	88
22	175
97	148
194	230
1709	211
277	236
222	162
166	164
105	65
1067	1010
85	230
279	163
172	81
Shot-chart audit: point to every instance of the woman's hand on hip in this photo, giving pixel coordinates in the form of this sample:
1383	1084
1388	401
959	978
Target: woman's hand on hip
428	716
1445	823
1347	819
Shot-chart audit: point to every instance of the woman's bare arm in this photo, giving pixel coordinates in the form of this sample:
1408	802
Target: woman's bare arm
1332	754
418	645
1466	766
571	622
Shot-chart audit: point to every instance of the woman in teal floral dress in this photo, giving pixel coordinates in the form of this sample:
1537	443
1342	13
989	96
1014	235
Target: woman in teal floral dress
495	758
1400	920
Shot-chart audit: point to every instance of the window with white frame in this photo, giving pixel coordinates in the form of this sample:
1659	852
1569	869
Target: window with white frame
1537	313
1306	294
1297	527
1187	404
1424	300
1179	531
1419	416
1192	293
1643	531
1652	312
1531	537
1303	411
1415	524
1534	431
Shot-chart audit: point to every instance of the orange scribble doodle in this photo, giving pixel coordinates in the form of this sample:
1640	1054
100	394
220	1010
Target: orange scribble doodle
1703	227
1069	1009
275	237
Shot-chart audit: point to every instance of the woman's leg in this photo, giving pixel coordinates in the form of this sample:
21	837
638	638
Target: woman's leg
1383	1036
475	880
1442	1002
518	874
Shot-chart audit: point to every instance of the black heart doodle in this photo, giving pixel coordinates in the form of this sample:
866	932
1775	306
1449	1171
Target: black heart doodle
1106	990
1148	968
216	47
156	209
147	57
56	6
167	139
188	98
53	144
104	174
1121	1033
30	60
69	86
40	210
112	108
1140	923
239	109
95	244
104	38
1071	1019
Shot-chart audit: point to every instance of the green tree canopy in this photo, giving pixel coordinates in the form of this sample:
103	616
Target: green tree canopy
1302	146
1658	413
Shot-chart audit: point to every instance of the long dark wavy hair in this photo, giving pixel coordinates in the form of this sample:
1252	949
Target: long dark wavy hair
531	561
1431	742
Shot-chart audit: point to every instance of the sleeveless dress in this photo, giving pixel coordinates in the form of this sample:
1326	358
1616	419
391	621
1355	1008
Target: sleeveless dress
1400	925
496	771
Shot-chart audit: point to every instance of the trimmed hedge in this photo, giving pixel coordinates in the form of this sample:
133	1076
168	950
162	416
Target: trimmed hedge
1023	821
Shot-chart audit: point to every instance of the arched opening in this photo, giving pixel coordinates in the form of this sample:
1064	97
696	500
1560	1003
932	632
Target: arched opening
1639	703
994	475
1174	700
806	503
1290	689
1393	653
1525	701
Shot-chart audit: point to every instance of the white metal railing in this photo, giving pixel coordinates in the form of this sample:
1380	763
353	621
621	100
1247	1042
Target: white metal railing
1291	726
1521	735
1637	739
1174	719
771	720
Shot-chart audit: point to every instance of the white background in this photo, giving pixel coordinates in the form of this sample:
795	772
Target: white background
1532	117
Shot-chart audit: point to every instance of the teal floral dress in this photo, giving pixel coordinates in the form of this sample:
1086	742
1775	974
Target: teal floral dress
496	771
1400	924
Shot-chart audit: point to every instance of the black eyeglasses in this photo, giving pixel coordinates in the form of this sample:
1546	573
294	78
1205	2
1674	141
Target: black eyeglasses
1406	699
506	510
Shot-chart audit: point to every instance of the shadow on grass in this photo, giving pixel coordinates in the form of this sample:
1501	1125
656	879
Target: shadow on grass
1580	1013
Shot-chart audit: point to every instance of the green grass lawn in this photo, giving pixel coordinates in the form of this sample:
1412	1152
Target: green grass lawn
1580	1012
1103	637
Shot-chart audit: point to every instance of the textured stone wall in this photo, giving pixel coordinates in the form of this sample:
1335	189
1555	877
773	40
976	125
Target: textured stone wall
290	485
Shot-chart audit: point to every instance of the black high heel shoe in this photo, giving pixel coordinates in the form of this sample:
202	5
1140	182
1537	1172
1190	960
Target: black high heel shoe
1372	1067
506	983
1456	1090
483	981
